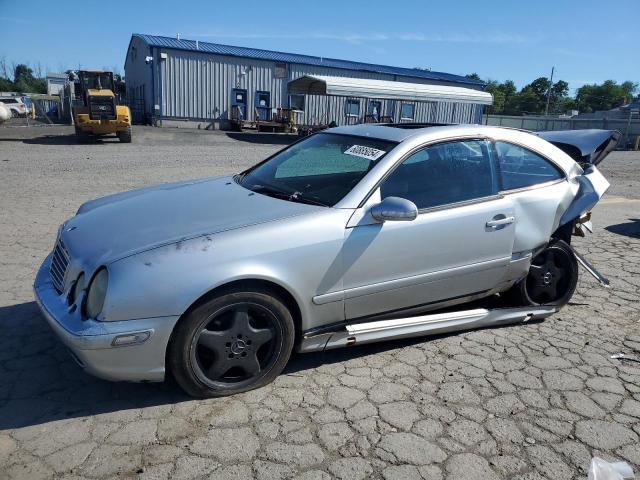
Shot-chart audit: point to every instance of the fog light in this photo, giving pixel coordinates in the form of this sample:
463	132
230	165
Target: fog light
131	339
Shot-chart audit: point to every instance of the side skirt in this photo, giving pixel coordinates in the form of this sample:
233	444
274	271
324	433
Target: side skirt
363	333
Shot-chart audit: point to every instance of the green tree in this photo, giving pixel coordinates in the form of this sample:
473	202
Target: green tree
510	92
493	87
6	85
606	96
532	99
25	82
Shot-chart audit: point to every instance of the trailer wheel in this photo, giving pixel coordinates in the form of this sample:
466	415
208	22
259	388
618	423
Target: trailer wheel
125	135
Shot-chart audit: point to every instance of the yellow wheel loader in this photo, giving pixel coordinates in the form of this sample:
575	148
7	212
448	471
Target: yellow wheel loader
96	111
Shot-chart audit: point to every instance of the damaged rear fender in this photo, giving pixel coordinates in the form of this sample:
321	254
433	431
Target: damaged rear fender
592	186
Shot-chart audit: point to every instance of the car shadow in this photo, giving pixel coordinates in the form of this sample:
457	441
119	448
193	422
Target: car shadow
628	229
40	382
263	138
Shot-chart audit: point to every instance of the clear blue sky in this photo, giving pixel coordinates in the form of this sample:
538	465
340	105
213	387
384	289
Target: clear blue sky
587	41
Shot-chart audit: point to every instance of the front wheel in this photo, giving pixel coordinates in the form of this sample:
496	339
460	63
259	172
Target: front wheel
82	136
552	278
232	343
125	135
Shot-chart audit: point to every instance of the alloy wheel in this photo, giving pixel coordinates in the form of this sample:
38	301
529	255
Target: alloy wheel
549	277
235	345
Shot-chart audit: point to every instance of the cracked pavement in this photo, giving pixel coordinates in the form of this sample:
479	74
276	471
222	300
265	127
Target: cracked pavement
530	401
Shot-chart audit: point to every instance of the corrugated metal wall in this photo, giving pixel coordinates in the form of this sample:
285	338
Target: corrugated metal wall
198	86
320	109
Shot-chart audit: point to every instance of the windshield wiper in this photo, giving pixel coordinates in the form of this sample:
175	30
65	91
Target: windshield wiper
293	196
299	197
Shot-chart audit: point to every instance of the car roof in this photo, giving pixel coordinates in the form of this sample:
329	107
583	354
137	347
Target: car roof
416	134
404	131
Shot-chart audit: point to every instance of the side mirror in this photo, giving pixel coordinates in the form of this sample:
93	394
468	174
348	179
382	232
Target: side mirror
394	209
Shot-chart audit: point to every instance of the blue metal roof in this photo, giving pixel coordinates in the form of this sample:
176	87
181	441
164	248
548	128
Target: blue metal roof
256	53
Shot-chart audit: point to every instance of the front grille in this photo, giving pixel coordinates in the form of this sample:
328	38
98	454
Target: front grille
102	108
59	264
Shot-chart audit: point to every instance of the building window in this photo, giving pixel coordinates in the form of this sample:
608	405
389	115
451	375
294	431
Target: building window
352	108
406	111
281	70
296	102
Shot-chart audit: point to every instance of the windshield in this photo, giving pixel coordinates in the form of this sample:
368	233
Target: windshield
319	170
98	81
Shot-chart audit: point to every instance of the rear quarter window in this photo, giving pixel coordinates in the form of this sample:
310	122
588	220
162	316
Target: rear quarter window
521	168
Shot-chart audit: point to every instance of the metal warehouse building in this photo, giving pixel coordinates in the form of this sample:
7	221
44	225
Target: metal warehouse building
171	81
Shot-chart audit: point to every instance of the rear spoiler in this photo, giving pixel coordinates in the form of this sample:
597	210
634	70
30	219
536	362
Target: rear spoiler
587	147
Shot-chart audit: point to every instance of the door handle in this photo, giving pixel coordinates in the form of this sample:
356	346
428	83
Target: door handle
500	221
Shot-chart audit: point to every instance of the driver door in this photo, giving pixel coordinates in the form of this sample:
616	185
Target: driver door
460	244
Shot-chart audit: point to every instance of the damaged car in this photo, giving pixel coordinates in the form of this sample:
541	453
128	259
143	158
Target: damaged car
353	235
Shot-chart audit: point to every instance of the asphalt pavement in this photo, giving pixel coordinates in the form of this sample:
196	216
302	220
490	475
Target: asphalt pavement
530	401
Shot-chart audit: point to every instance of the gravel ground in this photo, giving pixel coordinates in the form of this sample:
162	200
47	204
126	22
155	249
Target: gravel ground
530	401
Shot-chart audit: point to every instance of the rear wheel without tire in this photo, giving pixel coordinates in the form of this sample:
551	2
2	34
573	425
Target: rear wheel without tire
125	135
552	278
232	343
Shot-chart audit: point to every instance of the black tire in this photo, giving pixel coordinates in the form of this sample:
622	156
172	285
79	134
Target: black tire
231	343
552	278
125	135
82	136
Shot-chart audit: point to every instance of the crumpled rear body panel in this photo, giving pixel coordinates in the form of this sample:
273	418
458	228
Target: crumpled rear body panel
538	213
592	185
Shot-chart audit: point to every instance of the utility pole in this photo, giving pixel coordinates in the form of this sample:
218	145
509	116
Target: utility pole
546	109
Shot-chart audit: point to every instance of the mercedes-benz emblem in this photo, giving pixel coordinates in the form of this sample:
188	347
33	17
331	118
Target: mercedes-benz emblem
238	347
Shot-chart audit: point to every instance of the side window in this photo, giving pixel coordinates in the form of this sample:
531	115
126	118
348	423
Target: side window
443	174
521	168
352	108
406	111
296	102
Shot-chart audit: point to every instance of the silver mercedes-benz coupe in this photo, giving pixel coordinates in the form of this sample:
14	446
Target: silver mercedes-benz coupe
352	235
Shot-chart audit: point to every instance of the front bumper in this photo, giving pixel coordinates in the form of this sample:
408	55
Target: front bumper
91	342
102	127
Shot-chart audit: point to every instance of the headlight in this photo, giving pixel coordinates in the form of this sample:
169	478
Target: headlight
77	289
96	293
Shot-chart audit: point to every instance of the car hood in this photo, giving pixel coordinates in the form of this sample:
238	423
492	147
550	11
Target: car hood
120	225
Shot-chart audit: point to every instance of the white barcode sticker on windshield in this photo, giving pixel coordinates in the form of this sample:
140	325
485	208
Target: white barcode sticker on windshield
364	152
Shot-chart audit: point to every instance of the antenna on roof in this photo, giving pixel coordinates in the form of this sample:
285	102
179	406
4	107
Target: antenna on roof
197	45
177	36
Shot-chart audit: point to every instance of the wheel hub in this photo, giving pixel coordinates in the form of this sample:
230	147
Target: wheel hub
547	278
238	347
